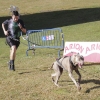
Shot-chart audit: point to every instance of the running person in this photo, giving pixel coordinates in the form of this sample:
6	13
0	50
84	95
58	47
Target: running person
15	27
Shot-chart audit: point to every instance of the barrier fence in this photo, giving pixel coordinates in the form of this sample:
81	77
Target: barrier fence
46	38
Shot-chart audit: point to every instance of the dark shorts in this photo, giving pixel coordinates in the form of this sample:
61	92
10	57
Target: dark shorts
11	42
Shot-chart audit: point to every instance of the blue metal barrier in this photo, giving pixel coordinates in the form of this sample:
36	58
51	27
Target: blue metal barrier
46	38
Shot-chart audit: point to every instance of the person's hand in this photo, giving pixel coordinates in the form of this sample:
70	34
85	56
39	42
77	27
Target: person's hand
20	26
6	33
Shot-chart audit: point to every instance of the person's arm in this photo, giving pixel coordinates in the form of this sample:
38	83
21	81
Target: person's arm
21	26
23	29
4	30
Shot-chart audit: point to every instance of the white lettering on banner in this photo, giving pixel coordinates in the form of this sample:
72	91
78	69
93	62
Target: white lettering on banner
87	49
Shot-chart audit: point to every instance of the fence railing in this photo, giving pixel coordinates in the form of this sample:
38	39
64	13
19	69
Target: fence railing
46	38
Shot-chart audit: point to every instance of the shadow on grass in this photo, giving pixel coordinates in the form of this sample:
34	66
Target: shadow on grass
55	19
95	87
87	81
91	81
25	72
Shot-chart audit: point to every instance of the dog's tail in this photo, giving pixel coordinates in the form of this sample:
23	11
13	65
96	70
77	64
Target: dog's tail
51	66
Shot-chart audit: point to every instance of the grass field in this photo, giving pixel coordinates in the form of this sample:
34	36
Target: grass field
80	21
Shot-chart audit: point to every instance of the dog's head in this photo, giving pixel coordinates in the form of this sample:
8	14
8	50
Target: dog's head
77	60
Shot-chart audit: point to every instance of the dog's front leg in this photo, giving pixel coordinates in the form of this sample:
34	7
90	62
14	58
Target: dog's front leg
77	85
79	79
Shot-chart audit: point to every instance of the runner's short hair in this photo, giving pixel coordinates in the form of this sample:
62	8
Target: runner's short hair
15	13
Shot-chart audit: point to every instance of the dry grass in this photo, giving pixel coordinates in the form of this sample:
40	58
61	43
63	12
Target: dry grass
37	6
32	81
32	78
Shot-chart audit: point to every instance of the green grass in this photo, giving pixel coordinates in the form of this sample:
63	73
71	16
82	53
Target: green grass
80	21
